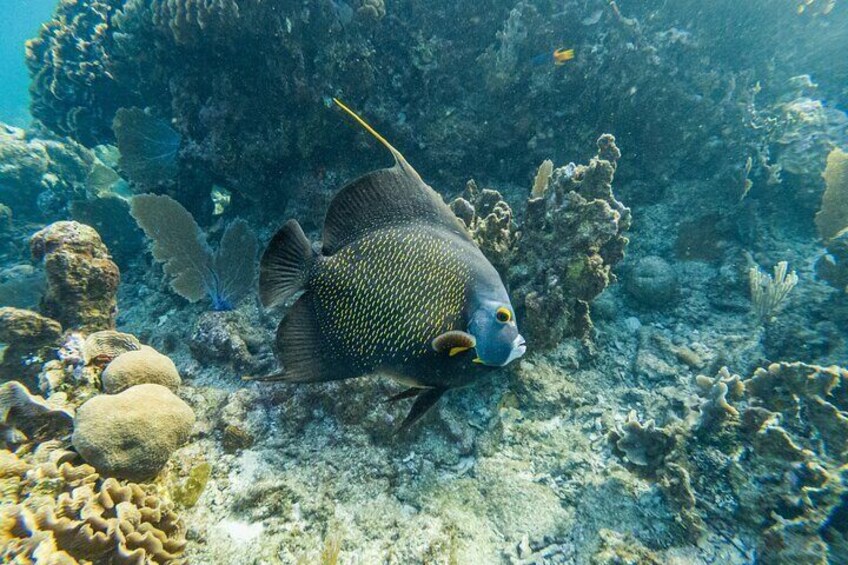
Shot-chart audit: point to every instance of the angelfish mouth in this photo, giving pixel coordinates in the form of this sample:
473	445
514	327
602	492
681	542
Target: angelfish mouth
519	348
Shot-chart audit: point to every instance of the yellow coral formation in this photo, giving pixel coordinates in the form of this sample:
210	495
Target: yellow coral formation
64	514
832	218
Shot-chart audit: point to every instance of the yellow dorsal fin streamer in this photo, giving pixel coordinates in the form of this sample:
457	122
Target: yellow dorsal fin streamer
399	158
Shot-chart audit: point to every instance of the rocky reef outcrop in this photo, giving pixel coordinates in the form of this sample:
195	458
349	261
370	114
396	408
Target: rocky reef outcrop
82	279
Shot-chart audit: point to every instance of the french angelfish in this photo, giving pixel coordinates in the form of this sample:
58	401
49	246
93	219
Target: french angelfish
398	287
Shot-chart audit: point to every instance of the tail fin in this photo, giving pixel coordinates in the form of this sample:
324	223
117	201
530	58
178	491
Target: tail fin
284	265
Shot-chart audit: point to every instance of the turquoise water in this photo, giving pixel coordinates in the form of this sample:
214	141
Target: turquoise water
21	20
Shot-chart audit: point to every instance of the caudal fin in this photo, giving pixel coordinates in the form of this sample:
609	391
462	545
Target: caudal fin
284	265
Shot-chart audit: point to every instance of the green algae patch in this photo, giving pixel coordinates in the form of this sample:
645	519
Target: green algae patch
189	492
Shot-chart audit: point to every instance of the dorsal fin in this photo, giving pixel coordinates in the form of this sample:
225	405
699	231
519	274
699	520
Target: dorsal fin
392	196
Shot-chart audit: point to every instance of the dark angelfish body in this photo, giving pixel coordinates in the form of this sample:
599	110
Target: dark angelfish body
398	287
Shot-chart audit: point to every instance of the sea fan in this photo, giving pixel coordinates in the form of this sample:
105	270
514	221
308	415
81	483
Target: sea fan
148	146
194	270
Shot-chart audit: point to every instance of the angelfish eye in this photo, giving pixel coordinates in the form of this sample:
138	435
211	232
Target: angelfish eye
503	315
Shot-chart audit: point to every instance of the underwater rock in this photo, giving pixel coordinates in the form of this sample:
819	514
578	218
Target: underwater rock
571	238
25	417
139	367
616	548
833	265
228	337
82	279
132	434
489	220
652	282
30	340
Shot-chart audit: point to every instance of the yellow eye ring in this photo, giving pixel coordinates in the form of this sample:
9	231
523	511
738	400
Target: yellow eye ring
503	315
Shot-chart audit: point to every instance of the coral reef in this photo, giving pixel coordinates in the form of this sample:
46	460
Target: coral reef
82	279
771	450
644	445
133	433
489	220
25	417
571	237
139	367
81	519
30	338
41	175
194	271
104	346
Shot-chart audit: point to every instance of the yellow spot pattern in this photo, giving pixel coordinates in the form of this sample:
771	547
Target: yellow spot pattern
383	299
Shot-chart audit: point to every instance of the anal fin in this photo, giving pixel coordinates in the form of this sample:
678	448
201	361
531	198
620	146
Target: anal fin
423	402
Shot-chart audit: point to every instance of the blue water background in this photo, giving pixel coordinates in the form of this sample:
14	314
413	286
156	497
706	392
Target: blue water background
21	20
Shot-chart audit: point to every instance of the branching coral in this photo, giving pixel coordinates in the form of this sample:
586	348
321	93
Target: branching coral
768	294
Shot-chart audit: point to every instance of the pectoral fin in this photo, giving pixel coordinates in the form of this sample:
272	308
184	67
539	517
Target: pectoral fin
423	402
454	342
408	393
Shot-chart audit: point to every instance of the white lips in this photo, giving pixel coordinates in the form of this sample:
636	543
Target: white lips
518	349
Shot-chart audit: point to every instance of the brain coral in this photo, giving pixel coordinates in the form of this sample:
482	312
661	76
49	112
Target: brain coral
133	433
138	367
82	279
